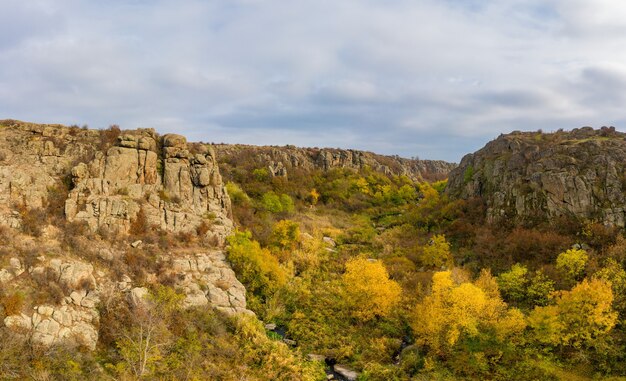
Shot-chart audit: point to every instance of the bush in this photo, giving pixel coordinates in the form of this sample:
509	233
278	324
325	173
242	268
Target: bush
257	268
274	203
13	303
237	195
109	137
285	234
33	220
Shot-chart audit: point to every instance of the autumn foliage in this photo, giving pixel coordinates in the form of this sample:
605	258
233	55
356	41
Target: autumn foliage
369	290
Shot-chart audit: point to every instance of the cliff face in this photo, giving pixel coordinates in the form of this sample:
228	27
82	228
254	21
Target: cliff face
281	160
176	185
533	176
111	181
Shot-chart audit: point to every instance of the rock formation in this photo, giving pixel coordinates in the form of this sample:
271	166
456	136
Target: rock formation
111	181
280	161
533	176
176	190
208	279
75	320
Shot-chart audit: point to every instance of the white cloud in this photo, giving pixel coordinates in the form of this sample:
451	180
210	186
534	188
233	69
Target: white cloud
390	76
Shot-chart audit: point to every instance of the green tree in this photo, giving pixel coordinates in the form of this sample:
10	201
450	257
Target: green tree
540	289
237	195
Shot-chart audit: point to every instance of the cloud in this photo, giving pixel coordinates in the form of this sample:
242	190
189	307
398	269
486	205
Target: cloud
431	78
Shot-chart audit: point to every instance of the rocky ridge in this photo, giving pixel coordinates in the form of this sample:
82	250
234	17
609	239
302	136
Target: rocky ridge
534	177
113	182
280	161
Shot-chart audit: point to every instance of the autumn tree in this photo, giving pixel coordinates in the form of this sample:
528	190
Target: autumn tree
454	310
436	253
368	288
572	263
578	318
285	234
256	267
146	338
313	197
613	273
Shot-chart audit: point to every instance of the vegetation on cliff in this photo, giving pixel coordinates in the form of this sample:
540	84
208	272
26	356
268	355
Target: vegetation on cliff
395	277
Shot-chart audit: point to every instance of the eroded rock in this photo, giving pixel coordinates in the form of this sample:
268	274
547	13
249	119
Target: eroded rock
534	177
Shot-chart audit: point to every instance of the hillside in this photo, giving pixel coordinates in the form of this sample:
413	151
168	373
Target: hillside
533	177
281	161
129	255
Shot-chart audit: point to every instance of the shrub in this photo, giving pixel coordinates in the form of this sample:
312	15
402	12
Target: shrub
257	268
109	137
13	303
139	225
285	234
33	220
468	174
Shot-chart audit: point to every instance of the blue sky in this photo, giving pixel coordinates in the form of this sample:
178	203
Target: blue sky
436	79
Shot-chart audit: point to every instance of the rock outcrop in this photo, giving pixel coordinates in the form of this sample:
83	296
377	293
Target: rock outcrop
533	176
280	161
34	161
207	279
176	190
113	181
72	322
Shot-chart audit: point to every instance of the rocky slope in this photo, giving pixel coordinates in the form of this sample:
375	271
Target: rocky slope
280	161
533	176
115	183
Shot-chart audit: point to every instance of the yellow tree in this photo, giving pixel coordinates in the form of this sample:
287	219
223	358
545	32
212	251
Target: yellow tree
578	318
368	288
437	253
313	197
285	235
454	310
572	263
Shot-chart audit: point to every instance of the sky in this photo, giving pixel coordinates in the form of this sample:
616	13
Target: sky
430	78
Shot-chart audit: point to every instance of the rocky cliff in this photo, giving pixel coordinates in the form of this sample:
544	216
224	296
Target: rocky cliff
534	176
56	179
280	161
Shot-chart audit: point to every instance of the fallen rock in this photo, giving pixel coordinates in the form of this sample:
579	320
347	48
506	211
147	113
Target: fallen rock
270	326
316	357
329	241
345	372
290	342
138	296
